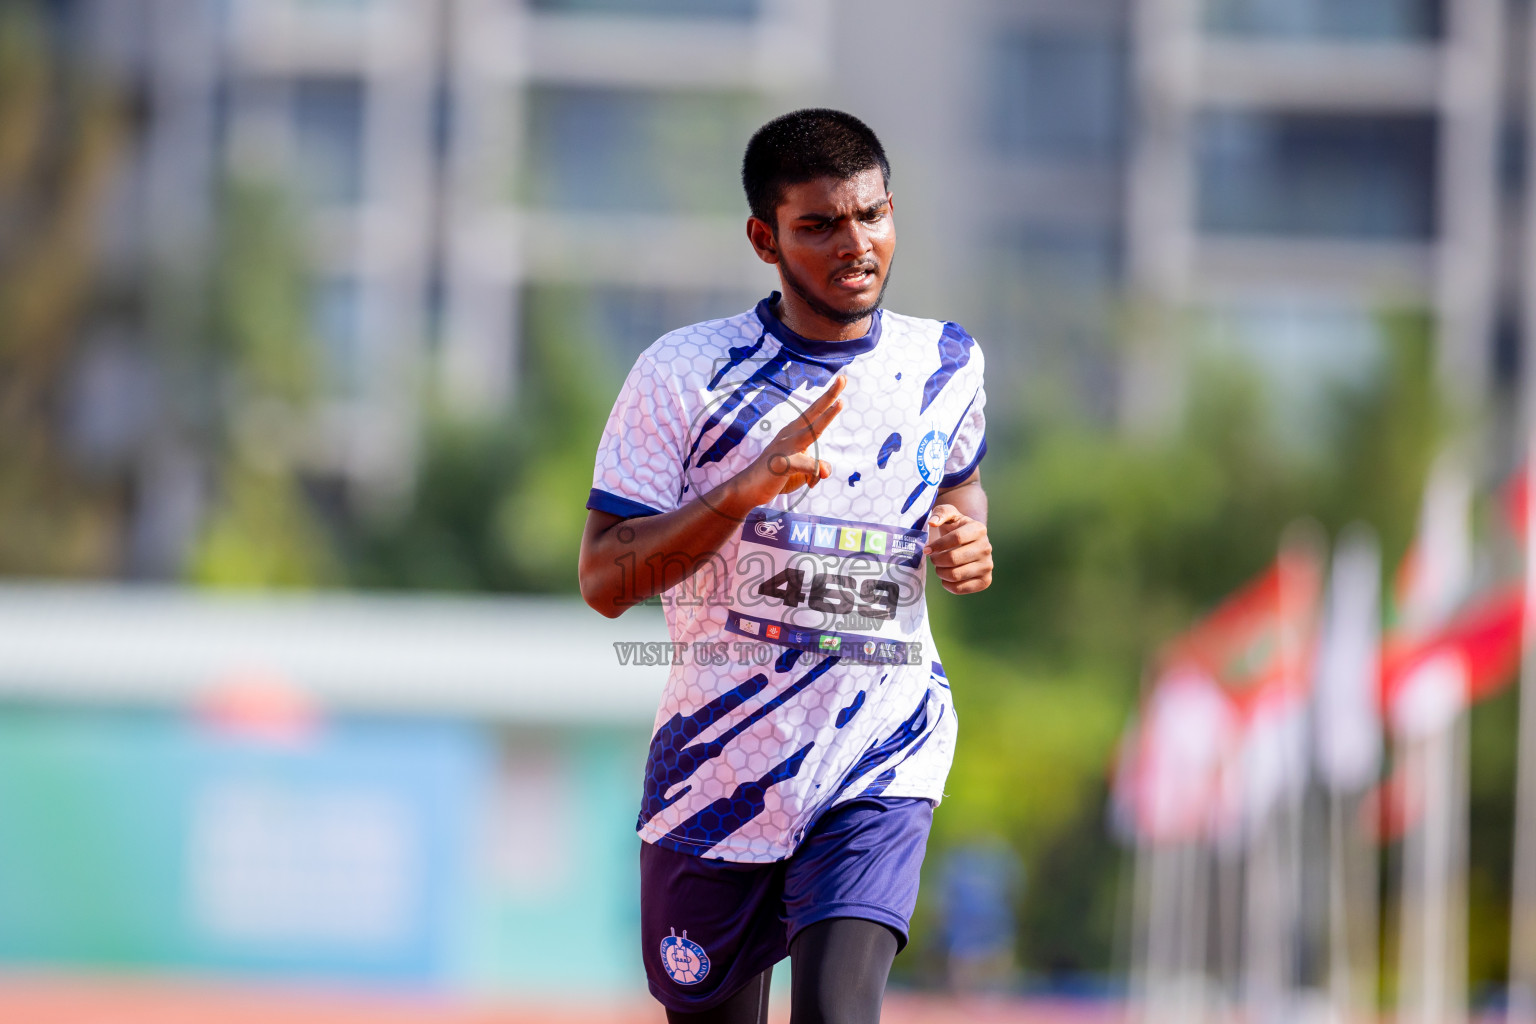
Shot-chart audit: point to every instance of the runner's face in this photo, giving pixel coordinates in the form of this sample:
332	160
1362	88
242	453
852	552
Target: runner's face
834	243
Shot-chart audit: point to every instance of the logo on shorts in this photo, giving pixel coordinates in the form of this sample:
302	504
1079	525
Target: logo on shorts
774	632
932	450
748	626
684	960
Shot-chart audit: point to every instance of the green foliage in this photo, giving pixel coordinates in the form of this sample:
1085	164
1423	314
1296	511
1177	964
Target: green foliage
261	295
60	137
262	533
1106	547
1384	438
560	421
501	502
262	530
1493	759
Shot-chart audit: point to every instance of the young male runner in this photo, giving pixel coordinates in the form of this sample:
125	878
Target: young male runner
780	476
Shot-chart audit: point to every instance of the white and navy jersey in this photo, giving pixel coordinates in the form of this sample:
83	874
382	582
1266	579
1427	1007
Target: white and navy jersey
803	670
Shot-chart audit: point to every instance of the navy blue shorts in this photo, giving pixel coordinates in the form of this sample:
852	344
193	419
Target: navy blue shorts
707	927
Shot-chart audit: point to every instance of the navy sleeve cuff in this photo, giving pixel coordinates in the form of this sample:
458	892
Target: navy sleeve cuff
959	475
613	504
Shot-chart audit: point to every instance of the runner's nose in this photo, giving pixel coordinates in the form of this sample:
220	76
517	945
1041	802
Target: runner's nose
854	241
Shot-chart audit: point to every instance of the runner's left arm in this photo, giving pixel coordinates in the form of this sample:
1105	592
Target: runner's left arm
958	545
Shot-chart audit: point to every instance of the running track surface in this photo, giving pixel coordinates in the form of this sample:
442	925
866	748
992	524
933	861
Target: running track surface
73	1000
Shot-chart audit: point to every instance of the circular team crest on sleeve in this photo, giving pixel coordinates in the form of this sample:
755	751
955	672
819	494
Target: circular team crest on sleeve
932	451
683	959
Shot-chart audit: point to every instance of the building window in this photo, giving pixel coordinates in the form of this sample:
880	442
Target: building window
1058	94
627	320
1301	175
639	150
1305	354
336	321
740	10
1061	260
616	323
1327	19
328	139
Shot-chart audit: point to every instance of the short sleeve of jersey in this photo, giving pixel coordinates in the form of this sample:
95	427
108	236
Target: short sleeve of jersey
969	444
639	470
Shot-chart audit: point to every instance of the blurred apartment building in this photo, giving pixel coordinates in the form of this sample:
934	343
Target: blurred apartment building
1301	165
1269	176
477	172
451	158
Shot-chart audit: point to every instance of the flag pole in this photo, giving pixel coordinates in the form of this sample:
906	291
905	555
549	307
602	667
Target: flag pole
1429	721
1522	932
1522	911
1348	745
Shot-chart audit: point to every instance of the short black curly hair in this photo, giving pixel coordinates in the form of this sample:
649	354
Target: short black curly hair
804	145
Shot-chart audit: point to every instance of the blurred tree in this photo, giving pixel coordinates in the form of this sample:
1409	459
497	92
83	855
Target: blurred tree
259	358
1106	547
500	503
59	136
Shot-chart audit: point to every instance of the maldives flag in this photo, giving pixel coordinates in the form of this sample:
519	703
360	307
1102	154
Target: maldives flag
1449	649
1425	680
1516	502
1170	776
1257	645
1216	724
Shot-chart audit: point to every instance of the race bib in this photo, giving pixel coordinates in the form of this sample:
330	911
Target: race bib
829	585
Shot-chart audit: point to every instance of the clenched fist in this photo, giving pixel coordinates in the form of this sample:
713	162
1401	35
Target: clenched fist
960	550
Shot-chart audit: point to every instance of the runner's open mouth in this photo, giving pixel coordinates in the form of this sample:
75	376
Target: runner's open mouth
859	275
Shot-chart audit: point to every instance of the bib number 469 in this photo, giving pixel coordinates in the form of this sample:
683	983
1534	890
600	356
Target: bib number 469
833	593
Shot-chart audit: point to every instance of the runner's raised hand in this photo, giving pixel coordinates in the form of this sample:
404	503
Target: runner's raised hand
788	462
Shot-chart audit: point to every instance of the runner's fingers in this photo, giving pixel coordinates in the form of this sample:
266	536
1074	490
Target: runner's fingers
825	399
814	419
804	430
819	423
975	552
839	383
965	568
969	531
798	470
969	586
943	514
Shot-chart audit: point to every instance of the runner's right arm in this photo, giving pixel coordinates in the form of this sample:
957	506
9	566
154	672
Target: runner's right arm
626	560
